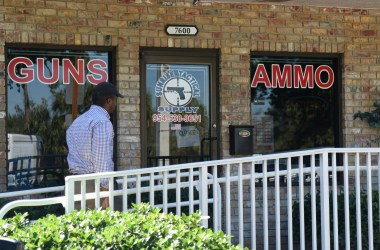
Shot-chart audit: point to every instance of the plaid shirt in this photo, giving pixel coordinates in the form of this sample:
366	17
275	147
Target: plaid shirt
90	142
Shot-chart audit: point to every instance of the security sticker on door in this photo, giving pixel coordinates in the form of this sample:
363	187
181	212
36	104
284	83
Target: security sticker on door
188	136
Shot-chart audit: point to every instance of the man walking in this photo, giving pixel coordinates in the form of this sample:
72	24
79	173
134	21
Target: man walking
90	139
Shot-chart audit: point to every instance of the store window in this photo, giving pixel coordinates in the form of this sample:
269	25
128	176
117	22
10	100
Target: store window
295	101
46	89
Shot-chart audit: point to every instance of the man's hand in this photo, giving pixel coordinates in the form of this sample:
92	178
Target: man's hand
105	202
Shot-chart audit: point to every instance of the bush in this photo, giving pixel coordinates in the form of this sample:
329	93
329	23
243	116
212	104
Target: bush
373	119
58	209
341	220
142	228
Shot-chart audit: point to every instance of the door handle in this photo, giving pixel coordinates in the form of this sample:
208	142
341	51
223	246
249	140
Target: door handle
202	144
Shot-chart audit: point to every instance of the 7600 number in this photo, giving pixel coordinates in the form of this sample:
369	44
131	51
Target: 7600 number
182	30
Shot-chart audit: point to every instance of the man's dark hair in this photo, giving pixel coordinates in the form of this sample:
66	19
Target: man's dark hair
100	100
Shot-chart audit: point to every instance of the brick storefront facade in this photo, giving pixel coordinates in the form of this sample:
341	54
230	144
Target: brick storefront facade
237	30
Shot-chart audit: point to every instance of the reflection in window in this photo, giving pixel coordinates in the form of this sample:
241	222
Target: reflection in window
46	89
288	116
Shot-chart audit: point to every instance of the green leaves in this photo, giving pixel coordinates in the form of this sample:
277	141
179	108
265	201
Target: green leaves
373	117
142	228
375	223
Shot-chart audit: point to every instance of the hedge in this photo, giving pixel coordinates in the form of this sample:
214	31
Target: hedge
375	223
143	227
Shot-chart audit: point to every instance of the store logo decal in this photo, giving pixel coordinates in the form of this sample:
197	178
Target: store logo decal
178	88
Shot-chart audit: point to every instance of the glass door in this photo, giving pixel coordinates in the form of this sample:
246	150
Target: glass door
180	122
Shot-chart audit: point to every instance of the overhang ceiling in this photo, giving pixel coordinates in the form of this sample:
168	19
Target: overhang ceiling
362	4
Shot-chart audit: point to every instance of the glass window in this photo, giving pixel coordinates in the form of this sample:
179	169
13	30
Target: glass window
295	101
177	112
179	107
46	89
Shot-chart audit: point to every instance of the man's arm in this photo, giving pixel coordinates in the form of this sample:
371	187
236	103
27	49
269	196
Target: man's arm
105	202
102	148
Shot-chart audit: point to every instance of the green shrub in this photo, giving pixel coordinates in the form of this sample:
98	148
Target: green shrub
373	119
58	209
341	220
142	228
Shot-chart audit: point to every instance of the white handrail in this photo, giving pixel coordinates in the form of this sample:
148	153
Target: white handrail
31	202
32	191
257	203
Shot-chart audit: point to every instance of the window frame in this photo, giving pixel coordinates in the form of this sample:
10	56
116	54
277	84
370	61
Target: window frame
338	88
110	50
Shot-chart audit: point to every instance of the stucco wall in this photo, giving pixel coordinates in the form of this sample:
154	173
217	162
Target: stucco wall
235	29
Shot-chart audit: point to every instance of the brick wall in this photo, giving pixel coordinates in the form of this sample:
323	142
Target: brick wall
236	29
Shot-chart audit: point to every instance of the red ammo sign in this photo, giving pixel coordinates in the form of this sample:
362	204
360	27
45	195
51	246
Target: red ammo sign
293	76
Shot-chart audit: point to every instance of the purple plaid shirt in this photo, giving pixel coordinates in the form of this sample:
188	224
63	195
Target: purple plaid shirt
90	142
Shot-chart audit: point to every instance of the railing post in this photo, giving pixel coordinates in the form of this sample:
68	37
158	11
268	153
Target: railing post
69	195
203	195
325	197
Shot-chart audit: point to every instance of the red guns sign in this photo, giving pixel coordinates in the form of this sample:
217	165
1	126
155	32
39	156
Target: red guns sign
28	71
293	76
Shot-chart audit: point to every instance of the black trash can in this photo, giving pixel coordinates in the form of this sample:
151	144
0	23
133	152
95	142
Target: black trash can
10	244
241	139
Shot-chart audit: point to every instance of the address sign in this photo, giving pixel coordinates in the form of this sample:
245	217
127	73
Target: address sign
181	30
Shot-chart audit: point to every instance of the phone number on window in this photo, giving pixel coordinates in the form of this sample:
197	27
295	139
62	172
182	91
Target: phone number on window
176	118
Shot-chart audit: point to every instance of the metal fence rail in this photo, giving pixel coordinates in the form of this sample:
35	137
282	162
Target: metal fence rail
30	172
293	200
181	187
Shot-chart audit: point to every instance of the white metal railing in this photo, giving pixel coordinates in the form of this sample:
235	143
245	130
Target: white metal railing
265	202
32	192
190	180
25	200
